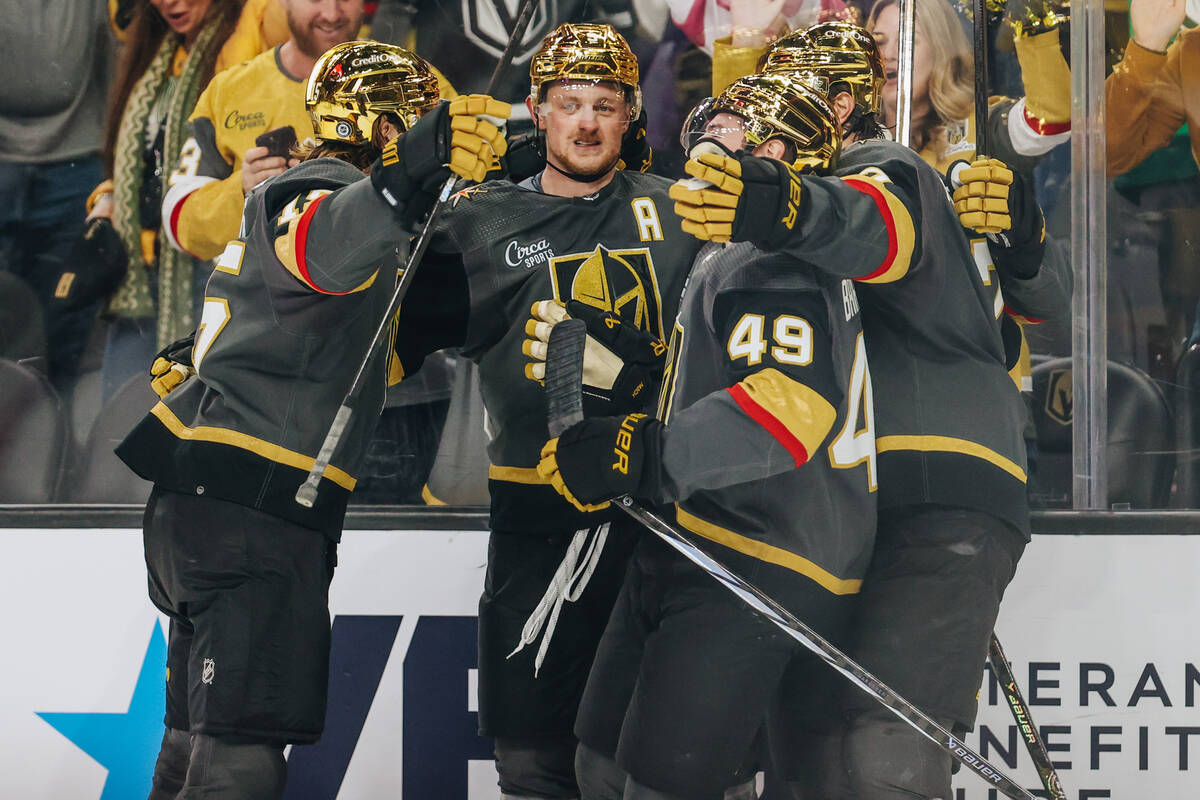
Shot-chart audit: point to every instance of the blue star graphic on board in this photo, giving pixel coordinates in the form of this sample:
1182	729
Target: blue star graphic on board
126	744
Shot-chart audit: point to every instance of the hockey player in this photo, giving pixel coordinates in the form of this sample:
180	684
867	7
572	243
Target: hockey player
242	570
765	443
582	230
953	515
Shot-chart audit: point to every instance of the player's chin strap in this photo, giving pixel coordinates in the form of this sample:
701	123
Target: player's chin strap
579	177
567	585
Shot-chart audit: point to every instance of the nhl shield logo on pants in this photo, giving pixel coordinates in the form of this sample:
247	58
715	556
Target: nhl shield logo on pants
209	669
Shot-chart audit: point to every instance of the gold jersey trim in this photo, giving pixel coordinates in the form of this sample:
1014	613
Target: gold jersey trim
949	444
767	552
528	475
244	441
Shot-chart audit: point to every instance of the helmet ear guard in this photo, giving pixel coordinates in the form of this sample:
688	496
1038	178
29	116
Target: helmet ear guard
355	83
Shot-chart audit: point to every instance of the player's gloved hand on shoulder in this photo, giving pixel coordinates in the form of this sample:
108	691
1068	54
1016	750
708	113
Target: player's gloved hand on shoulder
598	459
172	365
636	152
622	365
742	199
457	138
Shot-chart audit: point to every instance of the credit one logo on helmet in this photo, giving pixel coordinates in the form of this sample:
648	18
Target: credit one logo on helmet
489	24
620	281
378	58
527	256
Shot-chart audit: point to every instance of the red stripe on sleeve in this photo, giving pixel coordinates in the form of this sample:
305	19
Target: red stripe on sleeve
1046	128
1019	316
772	425
888	221
174	223
302	242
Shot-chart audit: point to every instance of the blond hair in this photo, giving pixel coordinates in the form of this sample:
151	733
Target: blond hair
952	75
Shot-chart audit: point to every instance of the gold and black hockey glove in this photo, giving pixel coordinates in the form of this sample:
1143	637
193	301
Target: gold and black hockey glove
598	459
523	160
622	365
981	199
744	199
172	365
455	138
994	200
636	153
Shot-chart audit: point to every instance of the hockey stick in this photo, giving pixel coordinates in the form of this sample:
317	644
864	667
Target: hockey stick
564	397
306	495
1000	665
904	72
1020	711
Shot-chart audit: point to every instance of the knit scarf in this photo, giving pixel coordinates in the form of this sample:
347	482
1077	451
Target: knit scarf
175	269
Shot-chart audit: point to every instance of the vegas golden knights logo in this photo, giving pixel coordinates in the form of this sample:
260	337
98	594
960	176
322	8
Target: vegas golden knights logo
1058	396
620	281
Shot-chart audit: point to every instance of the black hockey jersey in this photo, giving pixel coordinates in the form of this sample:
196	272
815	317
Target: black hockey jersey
621	249
948	417
288	313
769	443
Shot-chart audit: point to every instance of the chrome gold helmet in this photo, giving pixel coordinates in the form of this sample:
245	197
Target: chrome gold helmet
779	106
586	53
831	53
353	83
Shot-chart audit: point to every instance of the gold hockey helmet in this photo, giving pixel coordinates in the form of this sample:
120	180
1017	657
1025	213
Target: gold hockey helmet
353	83
774	106
830	53
586	53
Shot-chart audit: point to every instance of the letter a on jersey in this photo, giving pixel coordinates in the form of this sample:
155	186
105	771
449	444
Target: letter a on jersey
620	281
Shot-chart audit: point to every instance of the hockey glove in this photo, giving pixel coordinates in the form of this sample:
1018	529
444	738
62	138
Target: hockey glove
981	199
598	459
450	139
750	199
522	161
622	365
1019	251
172	365
635	147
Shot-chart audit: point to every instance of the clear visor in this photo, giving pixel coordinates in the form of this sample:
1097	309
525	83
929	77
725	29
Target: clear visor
585	100
706	122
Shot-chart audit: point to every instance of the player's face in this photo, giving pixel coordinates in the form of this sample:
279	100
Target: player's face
728	129
185	17
584	123
318	25
886	31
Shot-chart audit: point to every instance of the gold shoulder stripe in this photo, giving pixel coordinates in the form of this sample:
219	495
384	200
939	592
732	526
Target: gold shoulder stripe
429	498
767	552
949	444
244	441
899	224
527	475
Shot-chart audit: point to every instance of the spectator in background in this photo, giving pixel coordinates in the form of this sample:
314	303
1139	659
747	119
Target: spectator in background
1147	100
750	23
1151	94
53	85
172	49
221	161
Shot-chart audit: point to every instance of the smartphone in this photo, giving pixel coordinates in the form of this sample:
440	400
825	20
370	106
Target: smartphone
279	142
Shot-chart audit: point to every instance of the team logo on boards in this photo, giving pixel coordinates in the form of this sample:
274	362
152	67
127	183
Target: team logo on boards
489	25
620	281
1058	396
